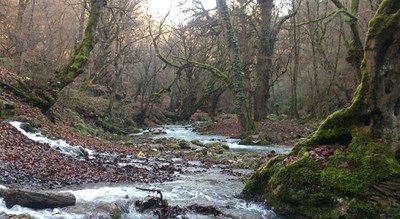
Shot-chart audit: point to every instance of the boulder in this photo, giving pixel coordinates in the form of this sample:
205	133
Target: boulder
197	142
109	211
157	131
37	200
4	215
224	145
7	109
26	127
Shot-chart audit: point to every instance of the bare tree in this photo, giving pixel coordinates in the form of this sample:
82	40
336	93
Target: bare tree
266	48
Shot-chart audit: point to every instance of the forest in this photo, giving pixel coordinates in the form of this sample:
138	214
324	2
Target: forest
296	100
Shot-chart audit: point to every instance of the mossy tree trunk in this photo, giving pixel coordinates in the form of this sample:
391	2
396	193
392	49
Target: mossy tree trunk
45	97
349	167
375	108
81	55
242	112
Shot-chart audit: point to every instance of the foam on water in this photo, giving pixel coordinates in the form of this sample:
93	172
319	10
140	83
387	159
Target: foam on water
186	133
38	214
59	144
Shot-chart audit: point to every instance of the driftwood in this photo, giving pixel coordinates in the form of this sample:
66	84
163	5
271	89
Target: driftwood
163	210
152	190
37	200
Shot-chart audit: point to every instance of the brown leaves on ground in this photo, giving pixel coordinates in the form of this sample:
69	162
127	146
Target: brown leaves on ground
24	162
320	153
282	131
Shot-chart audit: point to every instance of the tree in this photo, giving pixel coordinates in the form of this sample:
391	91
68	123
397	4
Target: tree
296	68
349	167
45	97
356	48
243	113
266	48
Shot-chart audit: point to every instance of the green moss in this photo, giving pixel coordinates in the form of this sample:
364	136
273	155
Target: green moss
359	209
81	55
132	130
314	188
83	128
383	26
2	110
384	19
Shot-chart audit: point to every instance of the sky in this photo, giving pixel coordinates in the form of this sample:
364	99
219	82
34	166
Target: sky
159	8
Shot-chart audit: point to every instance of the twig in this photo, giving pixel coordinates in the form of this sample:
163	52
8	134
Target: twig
152	190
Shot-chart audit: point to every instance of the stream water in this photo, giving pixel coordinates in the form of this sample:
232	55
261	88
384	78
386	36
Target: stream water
185	132
208	187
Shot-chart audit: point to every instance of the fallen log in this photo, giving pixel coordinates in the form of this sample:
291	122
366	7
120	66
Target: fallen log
37	200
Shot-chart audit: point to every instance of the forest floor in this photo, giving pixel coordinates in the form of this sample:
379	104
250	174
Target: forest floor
275	129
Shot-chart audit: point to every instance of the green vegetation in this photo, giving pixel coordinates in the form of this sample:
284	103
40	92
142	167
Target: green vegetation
2	110
339	185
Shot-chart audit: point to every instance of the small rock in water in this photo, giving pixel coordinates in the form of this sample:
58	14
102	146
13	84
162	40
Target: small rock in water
111	209
151	203
3	215
26	127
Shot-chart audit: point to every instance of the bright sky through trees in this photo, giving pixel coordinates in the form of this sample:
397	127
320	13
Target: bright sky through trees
160	8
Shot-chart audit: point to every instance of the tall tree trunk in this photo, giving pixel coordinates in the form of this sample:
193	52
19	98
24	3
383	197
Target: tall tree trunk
82	21
22	4
266	48
354	155
244	116
316	93
293	103
81	55
22	67
264	60
246	56
356	51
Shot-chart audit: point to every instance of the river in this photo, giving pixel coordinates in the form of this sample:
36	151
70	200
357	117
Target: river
207	187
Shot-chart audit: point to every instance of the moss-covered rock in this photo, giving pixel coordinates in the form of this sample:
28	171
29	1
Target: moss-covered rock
197	142
7	109
2	110
340	184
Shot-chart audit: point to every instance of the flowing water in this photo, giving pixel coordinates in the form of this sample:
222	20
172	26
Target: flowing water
208	187
185	132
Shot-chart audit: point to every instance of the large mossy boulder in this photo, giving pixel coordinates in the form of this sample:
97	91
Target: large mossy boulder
331	182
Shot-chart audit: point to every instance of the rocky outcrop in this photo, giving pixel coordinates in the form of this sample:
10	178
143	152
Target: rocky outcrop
37	200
